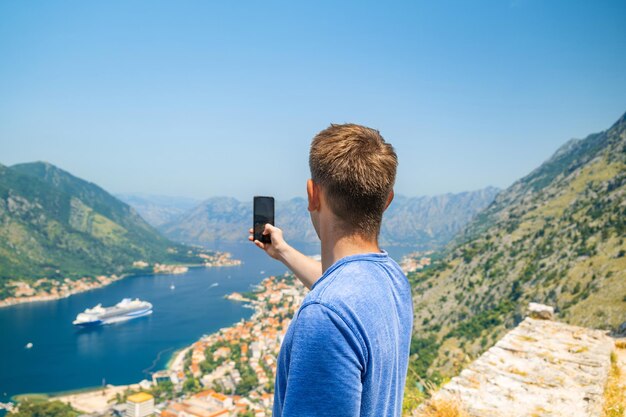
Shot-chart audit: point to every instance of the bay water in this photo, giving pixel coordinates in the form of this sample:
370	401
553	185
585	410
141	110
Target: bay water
64	358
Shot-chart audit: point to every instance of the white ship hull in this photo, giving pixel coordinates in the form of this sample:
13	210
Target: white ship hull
124	310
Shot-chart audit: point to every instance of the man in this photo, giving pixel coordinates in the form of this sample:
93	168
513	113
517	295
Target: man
346	350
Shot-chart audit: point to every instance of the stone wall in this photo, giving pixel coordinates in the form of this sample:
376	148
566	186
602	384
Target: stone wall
540	368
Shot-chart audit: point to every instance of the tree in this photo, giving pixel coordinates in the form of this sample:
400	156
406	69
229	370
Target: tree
45	409
248	382
164	390
191	385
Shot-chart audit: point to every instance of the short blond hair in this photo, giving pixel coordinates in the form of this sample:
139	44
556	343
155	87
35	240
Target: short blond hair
356	169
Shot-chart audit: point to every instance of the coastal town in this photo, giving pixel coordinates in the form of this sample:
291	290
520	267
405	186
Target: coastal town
232	372
415	261
46	289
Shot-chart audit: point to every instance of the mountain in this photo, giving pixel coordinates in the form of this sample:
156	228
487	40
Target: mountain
432	220
156	209
556	236
225	219
424	222
58	226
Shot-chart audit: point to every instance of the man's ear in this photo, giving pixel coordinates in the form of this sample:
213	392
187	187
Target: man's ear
389	199
313	193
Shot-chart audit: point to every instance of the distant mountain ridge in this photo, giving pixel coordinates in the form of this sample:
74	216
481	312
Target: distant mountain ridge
433	219
57	226
556	236
226	219
157	209
423	222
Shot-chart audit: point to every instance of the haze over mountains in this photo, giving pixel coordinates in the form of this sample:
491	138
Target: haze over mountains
556	236
58	226
158	209
423	222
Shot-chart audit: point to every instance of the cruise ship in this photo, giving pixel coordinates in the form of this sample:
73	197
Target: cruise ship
124	310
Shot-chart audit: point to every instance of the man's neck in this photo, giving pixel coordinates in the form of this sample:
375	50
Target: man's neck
335	247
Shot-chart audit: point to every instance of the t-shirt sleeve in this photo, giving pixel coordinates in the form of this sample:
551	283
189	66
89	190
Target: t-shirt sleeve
325	366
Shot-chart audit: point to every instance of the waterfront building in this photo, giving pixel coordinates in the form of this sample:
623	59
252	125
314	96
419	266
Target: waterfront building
140	405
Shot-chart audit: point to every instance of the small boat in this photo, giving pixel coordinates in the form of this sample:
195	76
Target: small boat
215	284
262	272
172	287
29	345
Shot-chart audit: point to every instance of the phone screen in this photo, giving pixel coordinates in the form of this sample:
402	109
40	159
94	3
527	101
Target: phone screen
263	213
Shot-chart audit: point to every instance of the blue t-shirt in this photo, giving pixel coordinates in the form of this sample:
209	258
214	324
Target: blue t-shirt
346	351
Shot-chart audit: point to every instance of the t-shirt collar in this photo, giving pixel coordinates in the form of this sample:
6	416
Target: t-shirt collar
370	256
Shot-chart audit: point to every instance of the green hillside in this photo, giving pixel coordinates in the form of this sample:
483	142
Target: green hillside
557	236
58	226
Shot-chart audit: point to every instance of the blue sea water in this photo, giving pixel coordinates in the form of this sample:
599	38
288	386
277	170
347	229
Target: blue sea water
67	358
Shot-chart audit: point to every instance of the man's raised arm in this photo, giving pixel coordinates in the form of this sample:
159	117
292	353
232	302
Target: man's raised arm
306	269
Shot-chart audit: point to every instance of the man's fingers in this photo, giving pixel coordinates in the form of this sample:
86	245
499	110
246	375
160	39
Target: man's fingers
250	230
259	244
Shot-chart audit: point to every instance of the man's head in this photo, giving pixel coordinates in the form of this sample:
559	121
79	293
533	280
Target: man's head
356	170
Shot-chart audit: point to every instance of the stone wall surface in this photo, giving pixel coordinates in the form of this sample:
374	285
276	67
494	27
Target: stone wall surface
540	368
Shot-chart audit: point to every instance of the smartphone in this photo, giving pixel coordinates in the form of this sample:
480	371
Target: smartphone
263	213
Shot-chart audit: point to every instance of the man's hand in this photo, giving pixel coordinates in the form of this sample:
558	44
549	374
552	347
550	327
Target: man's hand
306	269
277	248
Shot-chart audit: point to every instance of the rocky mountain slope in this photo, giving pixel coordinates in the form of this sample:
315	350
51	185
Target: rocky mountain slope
556	236
55	225
422	222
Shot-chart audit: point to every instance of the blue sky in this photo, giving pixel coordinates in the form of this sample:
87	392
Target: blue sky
199	98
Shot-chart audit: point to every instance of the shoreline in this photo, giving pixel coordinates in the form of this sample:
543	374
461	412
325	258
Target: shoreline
89	400
98	399
176	360
44	298
176	357
57	394
95	399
